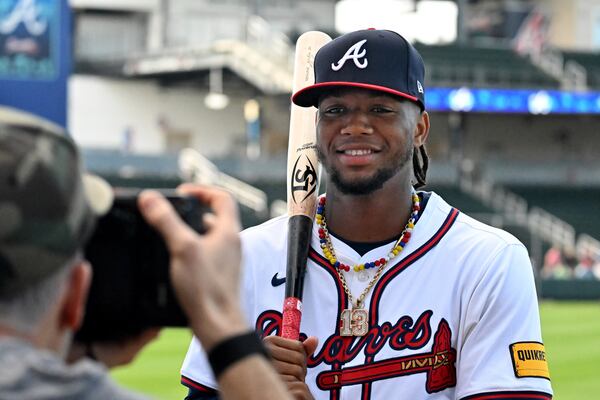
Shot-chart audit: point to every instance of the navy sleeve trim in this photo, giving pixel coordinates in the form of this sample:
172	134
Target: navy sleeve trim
198	390
520	395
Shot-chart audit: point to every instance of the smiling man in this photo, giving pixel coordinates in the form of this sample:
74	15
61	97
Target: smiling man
406	296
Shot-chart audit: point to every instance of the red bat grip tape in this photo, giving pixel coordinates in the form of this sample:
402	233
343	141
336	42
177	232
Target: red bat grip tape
292	314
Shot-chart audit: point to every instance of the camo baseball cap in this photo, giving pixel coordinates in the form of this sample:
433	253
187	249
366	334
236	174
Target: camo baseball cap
48	206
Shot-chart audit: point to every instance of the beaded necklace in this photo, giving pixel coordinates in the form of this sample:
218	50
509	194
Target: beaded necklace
355	321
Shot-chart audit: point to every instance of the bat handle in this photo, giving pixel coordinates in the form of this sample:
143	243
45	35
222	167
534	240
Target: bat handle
292	314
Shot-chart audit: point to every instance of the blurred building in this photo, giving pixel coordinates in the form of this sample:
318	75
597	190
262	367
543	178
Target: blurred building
163	75
514	100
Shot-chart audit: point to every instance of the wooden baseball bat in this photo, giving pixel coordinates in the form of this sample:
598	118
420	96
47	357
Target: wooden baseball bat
302	183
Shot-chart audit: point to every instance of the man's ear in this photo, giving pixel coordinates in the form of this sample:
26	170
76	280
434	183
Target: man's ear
75	296
421	129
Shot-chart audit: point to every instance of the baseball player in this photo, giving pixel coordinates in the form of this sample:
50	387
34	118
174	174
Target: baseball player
408	297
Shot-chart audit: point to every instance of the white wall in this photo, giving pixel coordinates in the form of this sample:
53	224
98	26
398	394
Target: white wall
139	5
101	109
587	25
575	24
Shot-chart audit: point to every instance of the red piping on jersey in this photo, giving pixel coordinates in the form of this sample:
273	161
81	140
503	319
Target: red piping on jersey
409	260
509	396
397	269
342	303
185	381
326	265
366	390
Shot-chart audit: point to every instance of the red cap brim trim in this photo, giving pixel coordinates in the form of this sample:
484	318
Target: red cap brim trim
309	95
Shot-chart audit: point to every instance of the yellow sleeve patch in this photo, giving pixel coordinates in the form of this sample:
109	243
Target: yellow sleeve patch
529	360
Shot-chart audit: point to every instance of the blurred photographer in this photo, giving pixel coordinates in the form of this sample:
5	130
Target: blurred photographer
48	209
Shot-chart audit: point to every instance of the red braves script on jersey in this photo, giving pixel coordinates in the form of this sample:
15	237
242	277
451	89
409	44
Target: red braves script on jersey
454	316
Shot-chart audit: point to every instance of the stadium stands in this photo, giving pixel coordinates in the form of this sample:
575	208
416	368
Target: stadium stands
117	163
464	202
577	206
451	65
590	61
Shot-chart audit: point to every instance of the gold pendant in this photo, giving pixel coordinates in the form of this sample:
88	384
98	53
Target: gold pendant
354	322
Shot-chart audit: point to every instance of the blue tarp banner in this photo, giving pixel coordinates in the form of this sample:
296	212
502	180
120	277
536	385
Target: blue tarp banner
35	56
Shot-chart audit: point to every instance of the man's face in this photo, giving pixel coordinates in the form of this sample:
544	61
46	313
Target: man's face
364	138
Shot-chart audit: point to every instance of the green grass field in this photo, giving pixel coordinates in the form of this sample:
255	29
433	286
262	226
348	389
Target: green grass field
571	334
572	337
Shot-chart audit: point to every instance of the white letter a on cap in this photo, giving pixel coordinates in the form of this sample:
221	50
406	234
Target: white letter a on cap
355	54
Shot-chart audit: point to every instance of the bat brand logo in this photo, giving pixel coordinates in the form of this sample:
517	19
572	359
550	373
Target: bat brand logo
304	178
355	55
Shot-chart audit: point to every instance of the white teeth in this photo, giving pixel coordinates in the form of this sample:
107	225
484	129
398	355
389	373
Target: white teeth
357	152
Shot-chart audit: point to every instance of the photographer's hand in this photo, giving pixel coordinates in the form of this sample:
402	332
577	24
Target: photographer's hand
205	270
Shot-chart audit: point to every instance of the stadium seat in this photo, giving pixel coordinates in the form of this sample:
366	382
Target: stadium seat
481	67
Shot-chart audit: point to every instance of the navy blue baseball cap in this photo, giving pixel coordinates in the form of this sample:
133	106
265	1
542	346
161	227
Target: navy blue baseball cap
371	59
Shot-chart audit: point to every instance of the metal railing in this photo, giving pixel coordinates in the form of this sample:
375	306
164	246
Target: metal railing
495	197
196	168
551	228
575	76
264	57
539	222
571	74
255	66
275	45
587	245
278	207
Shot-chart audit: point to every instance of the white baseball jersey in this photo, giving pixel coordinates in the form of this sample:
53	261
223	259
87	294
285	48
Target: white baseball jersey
453	316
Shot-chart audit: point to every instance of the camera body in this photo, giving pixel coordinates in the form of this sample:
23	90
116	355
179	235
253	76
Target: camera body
131	287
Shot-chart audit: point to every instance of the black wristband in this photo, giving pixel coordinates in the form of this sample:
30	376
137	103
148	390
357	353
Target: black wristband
234	349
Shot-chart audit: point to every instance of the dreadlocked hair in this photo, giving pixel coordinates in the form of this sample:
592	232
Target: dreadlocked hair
420	165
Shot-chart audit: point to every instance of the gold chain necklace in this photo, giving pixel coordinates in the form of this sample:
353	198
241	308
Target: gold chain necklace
355	321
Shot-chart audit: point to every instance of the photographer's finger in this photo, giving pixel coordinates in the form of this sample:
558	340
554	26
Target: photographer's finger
220	201
161	215
209	220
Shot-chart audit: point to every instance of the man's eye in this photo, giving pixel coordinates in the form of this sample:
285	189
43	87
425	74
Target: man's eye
381	110
333	110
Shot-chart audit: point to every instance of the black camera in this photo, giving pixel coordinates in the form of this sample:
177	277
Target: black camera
131	287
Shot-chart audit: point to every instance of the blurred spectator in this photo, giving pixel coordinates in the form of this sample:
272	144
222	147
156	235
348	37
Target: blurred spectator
554	266
596	267
585	268
571	260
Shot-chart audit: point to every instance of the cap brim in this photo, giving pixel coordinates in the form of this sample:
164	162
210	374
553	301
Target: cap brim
99	194
309	96
13	116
